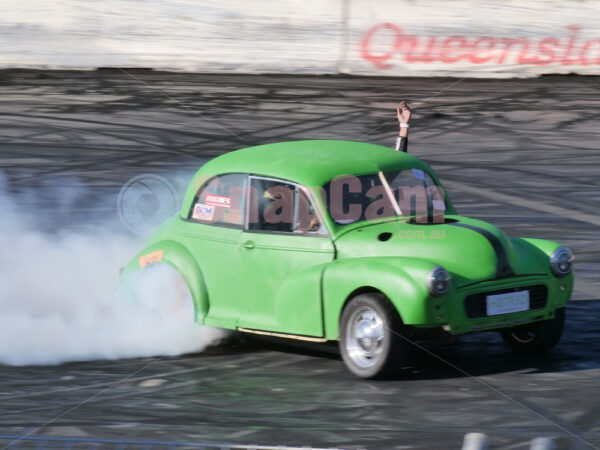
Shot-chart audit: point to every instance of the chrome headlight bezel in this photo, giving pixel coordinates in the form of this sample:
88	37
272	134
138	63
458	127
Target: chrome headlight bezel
438	281
561	261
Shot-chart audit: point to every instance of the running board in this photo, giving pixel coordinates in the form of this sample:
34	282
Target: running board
281	335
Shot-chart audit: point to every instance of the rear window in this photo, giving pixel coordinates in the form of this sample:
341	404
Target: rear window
220	201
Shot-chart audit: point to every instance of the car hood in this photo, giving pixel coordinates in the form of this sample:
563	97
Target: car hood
470	249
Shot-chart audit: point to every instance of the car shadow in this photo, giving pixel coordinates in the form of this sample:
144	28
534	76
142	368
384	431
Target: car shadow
476	354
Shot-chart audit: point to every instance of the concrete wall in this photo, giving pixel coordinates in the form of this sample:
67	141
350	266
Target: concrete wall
474	38
367	37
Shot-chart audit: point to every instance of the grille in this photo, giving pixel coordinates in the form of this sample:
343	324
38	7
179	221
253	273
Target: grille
476	305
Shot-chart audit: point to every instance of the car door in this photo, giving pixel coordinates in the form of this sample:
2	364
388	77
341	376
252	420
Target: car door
284	248
214	227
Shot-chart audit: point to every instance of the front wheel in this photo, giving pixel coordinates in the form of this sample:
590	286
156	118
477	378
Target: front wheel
537	336
371	342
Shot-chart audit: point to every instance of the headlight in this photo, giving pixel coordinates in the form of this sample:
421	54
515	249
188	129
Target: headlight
561	261
438	281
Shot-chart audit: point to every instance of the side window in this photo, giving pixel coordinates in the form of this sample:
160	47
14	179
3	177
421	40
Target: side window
306	218
271	205
220	201
283	207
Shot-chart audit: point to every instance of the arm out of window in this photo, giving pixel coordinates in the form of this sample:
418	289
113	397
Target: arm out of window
402	143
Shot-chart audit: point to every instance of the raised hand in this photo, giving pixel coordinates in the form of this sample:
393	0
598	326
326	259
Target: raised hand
404	113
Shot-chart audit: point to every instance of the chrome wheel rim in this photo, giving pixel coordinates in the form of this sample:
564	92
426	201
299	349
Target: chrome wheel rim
365	337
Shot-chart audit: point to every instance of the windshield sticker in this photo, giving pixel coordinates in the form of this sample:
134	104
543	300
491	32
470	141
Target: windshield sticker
217	200
151	258
418	173
439	205
203	212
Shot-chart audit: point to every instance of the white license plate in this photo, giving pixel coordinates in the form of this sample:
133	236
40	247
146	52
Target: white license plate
507	303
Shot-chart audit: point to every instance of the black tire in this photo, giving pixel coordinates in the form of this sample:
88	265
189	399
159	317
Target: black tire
371	342
537	336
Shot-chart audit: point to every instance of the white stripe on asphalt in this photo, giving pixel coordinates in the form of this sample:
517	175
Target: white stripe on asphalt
531	204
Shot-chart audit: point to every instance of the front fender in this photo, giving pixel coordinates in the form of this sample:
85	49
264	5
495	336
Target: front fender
401	279
176	255
539	246
534	256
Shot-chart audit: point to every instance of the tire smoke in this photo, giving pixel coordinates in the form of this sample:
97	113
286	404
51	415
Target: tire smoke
59	299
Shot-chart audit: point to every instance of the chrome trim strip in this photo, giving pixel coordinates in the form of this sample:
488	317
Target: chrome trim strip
282	335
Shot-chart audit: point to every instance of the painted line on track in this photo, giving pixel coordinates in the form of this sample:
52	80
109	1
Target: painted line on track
531	204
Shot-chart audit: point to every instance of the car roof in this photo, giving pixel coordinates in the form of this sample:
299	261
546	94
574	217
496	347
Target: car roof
312	162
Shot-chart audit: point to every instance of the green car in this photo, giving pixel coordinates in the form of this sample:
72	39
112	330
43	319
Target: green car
329	240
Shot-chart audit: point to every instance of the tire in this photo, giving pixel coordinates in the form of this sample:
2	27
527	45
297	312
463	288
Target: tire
537	336
162	288
371	343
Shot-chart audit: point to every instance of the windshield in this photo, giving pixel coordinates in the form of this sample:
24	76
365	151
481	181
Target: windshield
410	192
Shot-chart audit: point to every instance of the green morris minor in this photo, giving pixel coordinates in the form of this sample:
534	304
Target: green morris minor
344	241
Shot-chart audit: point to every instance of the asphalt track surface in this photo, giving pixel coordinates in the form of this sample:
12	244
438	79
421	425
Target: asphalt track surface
522	154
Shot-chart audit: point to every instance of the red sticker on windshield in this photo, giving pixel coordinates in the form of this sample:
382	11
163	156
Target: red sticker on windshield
217	200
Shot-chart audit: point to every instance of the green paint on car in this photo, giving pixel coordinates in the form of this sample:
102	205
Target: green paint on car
302	239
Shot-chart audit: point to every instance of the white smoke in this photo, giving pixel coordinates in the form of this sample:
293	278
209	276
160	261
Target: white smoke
58	297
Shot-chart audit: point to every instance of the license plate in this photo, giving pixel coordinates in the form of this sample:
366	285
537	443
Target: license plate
507	303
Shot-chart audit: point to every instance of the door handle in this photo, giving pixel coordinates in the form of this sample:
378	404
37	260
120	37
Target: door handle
248	244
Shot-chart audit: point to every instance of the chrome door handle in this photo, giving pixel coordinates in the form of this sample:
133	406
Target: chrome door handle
248	244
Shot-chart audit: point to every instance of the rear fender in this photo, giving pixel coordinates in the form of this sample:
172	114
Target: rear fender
180	259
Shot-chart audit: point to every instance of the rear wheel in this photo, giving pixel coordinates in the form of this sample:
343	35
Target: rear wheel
162	288
371	342
537	336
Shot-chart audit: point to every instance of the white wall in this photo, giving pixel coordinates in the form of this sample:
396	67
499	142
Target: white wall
366	37
474	38
204	36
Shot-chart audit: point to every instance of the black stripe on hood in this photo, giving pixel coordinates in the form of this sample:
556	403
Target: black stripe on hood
503	269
